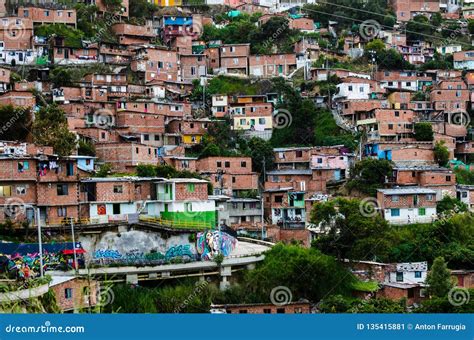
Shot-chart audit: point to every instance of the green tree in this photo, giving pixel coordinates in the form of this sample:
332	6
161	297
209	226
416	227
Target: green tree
439	278
376	45
104	170
146	170
441	153
423	132
307	273
261	152
141	9
450	204
369	175
470	26
464	176
353	228
86	148
436	19
16	122
50	128
419	28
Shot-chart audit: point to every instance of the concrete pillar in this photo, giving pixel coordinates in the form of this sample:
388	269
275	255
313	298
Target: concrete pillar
224	284
132	279
226	273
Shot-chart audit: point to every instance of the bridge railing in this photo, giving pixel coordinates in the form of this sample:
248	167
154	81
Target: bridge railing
176	224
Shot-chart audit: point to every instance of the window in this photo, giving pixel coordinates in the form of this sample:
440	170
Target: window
399	277
397	114
116	208
234	179
191	187
350	88
299	153
280	310
395	212
22	166
146	137
68	293
278	199
243	164
390	126
21	190
188	206
62	189
219	164
395	198
46	13
118	189
429	197
417	275
243	311
69	169
261	121
227	164
448	178
62	211
422	211
267	311
320	160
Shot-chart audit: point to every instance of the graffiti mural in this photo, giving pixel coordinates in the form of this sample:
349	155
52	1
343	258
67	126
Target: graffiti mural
137	257
23	260
211	243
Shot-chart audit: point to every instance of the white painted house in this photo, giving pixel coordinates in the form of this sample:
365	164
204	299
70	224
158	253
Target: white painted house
407	205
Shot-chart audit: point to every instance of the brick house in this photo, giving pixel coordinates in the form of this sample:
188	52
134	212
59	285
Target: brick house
133	34
193	66
4	79
157	63
464	278
16	33
229	175
125	156
115	198
450	96
123	11
302	24
262	308
272	65
174	26
405	10
389	125
407	205
41	16
115	54
18	98
234	58
464	60
74	294
67	55
465	193
253	115
433	177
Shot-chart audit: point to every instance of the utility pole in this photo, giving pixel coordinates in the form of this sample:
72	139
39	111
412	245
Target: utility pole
40	244
262	217
74	244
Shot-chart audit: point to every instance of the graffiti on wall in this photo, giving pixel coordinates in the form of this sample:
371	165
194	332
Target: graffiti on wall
28	265
135	256
211	243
